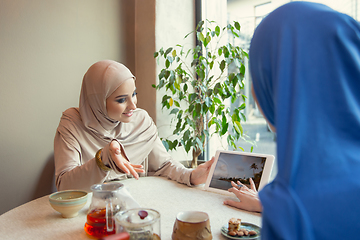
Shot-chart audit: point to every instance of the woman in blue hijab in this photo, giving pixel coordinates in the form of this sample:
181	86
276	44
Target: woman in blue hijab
305	66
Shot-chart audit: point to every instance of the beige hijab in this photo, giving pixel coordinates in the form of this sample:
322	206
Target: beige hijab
90	125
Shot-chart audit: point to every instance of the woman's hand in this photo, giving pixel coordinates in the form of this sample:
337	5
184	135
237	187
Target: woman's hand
122	163
199	174
248	197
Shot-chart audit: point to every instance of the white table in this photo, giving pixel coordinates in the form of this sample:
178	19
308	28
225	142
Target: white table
38	220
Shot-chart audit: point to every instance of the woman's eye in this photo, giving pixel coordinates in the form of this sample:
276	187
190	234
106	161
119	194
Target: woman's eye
121	100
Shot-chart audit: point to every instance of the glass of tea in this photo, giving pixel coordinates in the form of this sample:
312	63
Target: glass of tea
105	203
139	223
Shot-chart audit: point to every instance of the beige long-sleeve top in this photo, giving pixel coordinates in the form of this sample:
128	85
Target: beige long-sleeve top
76	167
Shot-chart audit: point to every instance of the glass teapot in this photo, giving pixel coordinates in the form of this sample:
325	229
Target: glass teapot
107	200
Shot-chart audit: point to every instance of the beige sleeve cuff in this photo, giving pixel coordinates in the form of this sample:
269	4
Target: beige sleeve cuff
175	171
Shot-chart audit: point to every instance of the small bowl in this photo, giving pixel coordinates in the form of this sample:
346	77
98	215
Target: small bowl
68	202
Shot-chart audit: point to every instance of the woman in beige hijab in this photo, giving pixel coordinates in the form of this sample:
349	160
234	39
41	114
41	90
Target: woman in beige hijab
108	138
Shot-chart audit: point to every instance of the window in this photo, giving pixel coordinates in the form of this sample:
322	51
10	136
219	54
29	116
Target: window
249	14
260	11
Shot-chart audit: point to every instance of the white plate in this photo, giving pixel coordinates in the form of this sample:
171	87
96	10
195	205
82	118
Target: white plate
245	225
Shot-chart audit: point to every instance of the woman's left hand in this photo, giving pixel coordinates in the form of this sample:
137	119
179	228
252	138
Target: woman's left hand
199	174
121	161
249	199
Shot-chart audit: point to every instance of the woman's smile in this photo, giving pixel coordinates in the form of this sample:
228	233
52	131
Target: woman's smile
120	105
128	114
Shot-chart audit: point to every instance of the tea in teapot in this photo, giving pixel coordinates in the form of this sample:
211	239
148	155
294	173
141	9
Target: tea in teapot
105	203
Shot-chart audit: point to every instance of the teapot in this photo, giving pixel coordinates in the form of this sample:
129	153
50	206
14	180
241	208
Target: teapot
107	200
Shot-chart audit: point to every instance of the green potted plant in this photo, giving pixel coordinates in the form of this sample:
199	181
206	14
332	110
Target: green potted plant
198	82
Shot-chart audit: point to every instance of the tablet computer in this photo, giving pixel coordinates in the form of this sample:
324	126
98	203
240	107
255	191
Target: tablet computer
238	166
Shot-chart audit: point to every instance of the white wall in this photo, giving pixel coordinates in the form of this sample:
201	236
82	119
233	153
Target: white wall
45	48
174	19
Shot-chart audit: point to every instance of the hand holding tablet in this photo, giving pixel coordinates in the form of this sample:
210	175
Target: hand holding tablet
248	198
237	166
242	174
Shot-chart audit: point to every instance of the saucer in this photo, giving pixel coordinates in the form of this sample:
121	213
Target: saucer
244	225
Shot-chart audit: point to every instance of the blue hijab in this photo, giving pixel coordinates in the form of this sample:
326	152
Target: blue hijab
305	66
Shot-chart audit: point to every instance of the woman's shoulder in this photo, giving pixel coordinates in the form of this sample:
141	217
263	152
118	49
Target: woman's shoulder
139	112
70	119
141	117
71	114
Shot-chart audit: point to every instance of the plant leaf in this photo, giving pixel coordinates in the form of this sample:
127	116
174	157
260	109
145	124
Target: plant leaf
177	104
208	102
171	102
222	65
166	144
220	51
174	111
168	51
237	25
238	128
242	69
200	37
217	100
200	144
217	30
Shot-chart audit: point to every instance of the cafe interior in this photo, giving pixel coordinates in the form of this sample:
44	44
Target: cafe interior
47	46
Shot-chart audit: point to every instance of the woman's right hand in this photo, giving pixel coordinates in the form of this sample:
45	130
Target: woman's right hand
122	163
248	197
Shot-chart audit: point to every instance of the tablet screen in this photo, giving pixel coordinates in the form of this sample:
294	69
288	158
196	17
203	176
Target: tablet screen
239	166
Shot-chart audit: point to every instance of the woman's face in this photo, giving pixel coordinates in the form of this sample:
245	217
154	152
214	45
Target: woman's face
122	102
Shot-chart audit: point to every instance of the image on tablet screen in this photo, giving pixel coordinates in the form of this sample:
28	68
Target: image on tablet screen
233	167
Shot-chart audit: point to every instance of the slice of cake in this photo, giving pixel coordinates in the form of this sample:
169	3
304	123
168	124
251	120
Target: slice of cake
234	224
